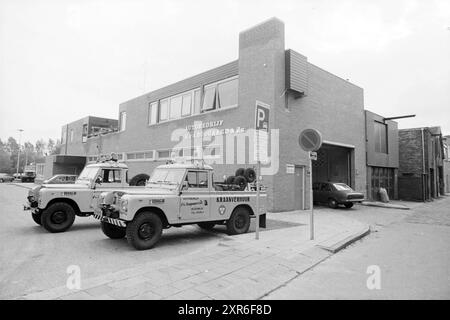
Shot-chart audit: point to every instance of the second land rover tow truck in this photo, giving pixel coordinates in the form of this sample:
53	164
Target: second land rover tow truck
176	195
54	206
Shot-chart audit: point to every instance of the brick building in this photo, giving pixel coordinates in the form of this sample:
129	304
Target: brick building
211	116
382	155
446	141
421	160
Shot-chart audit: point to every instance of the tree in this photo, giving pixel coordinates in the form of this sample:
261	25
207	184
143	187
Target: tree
5	162
51	146
40	147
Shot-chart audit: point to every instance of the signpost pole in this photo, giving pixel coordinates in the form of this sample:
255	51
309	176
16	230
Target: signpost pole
311	206
258	172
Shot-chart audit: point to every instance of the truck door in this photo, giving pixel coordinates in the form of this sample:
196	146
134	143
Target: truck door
195	197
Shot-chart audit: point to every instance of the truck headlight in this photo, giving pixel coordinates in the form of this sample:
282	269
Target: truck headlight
124	205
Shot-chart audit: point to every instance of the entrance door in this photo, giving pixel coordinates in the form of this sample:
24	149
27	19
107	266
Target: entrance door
299	188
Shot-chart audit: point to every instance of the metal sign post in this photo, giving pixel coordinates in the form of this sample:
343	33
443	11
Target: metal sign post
310	140
261	131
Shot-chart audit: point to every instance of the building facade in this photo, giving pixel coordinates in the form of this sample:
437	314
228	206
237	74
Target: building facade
421	161
382	155
446	167
211	116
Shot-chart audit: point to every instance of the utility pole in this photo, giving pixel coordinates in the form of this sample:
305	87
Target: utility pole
18	154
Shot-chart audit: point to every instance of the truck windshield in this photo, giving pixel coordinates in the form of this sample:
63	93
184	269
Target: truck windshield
166	176
88	174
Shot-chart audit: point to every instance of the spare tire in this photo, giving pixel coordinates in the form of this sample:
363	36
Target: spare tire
239	172
139	180
229	180
241	181
250	175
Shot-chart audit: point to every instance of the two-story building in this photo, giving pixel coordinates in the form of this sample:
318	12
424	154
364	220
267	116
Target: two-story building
421	171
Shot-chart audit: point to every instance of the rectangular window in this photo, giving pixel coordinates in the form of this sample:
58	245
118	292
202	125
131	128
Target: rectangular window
149	155
164	154
140	155
228	93
197	101
197	179
175	107
71	135
380	137
164	110
131	156
153	113
209	98
186	104
123	120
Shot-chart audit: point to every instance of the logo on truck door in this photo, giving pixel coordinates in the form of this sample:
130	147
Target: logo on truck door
222	210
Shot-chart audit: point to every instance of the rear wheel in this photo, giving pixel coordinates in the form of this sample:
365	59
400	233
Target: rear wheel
241	181
349	205
58	217
239	221
239	172
112	231
206	225
37	218
144	231
332	203
250	175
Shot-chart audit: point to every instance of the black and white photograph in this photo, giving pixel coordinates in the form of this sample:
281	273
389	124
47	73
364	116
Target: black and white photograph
240	151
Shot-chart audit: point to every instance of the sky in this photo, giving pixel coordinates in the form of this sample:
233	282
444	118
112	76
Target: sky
62	60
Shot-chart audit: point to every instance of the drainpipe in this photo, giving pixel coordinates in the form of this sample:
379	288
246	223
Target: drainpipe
423	165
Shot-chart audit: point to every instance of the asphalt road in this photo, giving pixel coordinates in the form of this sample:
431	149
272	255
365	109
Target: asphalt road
32	259
410	249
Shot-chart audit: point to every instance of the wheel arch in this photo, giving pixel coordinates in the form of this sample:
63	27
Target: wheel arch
66	200
155	210
245	206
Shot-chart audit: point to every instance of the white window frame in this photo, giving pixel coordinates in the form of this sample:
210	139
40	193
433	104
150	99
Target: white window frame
123	121
141	159
153	108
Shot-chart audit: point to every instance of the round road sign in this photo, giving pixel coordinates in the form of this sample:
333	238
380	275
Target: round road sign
310	140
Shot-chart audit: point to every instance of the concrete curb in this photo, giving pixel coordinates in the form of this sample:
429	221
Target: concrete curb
385	205
337	246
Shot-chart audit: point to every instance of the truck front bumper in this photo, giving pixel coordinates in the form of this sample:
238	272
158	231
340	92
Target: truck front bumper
116	222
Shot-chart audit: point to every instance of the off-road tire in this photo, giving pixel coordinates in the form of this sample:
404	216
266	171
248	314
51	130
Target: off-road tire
112	231
230	180
241	181
58	217
250	175
37	218
332	203
206	225
139	180
348	205
239	172
239	221
144	231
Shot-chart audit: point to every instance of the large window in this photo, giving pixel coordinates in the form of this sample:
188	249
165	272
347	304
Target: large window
228	93
380	137
217	95
209	98
164	110
175	107
123	120
153	113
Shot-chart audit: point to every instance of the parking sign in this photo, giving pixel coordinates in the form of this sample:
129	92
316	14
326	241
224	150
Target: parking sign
262	116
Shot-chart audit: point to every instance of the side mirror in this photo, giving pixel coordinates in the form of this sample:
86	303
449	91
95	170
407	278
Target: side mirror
184	186
99	180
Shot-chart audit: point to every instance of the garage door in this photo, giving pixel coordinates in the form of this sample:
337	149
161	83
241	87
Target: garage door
332	164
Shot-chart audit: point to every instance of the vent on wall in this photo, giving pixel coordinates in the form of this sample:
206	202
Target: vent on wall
296	73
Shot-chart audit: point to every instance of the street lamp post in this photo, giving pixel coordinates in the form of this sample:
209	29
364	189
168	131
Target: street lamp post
18	154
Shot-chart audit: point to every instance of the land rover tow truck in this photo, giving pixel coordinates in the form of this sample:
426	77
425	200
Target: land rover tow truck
54	206
175	195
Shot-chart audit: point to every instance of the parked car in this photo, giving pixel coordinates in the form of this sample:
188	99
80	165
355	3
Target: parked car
335	194
4	177
61	179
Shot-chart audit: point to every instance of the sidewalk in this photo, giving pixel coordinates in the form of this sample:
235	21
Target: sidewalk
233	267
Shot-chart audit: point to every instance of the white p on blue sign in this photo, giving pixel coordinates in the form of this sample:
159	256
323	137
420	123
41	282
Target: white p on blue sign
262	116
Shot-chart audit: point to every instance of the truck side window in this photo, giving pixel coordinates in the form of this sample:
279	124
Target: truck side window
191	179
203	179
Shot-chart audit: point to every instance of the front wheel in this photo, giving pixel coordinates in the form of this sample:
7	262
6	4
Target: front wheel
239	221
144	231
112	231
58	217
332	203
37	218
